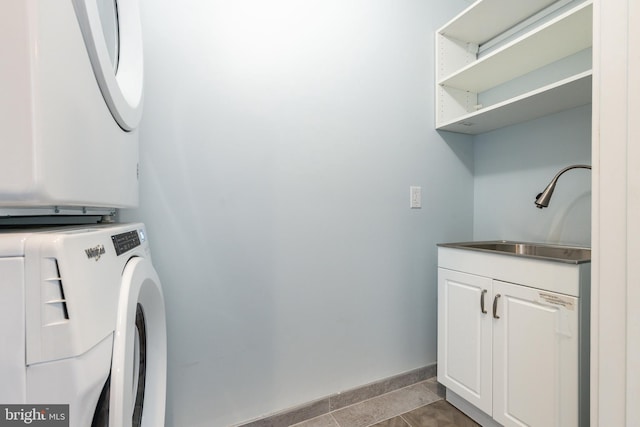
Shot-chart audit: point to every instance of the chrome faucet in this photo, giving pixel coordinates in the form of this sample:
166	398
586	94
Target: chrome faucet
542	199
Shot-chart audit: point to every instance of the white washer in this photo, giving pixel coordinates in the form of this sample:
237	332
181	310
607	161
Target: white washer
72	92
82	323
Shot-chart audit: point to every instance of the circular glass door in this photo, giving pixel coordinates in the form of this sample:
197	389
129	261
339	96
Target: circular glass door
108	11
113	37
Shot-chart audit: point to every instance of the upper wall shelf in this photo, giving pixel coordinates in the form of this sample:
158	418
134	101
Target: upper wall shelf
463	77
497	16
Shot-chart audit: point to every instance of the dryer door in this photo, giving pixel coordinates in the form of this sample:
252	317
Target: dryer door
113	37
138	369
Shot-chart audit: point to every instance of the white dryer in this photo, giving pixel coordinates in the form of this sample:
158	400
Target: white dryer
72	92
82	323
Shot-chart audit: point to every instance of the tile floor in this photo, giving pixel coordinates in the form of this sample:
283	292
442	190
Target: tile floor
418	405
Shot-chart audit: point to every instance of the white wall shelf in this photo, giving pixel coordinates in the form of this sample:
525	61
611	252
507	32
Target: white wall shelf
563	95
462	76
502	14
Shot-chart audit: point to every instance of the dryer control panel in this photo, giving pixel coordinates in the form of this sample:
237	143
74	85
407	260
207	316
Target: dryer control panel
125	241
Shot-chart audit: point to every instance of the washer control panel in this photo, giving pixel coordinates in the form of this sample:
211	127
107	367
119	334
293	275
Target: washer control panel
125	241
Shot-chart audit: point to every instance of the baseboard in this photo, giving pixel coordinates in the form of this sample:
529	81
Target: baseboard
339	400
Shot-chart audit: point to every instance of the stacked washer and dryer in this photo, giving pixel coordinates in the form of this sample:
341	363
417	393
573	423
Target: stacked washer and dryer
82	319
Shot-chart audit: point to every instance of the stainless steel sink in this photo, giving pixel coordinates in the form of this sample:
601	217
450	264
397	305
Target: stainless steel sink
569	254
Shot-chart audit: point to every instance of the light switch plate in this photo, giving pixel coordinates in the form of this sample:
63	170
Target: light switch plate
415	197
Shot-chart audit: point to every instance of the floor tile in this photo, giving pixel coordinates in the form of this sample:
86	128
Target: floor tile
350	397
438	414
321	421
386	406
436	387
393	422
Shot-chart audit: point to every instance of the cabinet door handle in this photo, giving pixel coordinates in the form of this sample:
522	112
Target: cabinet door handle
484	291
495	306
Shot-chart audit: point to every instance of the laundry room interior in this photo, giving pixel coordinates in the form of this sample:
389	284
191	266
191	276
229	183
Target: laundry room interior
277	148
278	144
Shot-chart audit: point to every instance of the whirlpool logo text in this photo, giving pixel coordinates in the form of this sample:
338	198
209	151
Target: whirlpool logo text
96	252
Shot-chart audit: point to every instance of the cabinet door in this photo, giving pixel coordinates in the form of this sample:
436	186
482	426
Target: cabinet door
535	357
464	336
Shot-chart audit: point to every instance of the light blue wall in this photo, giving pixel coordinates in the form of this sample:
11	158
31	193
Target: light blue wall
514	164
278	144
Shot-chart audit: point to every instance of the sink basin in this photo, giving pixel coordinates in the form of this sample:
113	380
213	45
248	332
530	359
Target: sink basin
569	254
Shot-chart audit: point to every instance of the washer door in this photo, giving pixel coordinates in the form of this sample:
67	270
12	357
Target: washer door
113	37
139	365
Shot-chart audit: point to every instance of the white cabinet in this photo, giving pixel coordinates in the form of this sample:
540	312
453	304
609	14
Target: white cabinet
465	337
535	357
502	62
513	353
